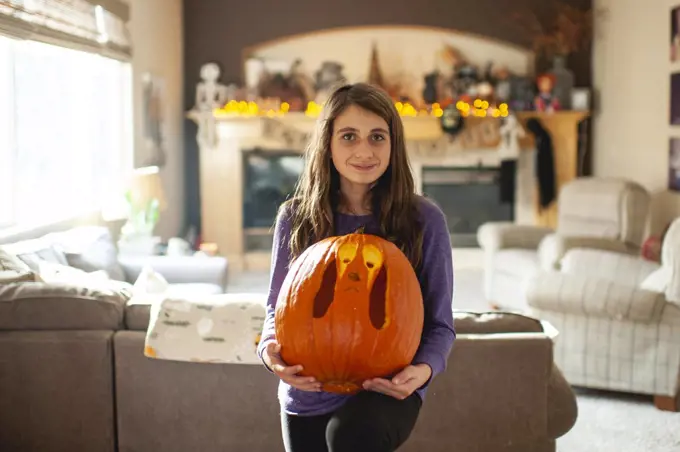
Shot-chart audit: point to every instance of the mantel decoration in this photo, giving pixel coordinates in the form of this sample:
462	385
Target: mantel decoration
568	30
277	88
210	96
454	90
476	135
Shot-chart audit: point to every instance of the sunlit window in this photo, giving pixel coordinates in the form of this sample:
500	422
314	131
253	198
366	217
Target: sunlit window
65	131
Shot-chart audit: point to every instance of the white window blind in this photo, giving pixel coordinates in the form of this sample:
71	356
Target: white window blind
98	26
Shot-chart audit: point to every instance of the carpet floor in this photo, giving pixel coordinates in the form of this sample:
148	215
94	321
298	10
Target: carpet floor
607	421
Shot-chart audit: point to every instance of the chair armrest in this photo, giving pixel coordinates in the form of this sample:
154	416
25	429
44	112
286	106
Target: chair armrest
554	246
499	235
515	394
593	297
618	267
670	256
178	269
562	407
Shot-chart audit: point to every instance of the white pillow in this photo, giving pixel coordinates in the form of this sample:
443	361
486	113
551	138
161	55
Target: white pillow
150	281
658	280
51	272
223	328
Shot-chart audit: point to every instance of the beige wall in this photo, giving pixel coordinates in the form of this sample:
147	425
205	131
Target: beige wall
156	29
631	69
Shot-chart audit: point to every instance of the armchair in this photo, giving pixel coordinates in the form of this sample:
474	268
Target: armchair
618	317
597	213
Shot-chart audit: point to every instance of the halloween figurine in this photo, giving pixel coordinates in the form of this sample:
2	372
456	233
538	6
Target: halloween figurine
546	100
451	121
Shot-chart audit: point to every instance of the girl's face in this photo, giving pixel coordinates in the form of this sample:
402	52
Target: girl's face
360	147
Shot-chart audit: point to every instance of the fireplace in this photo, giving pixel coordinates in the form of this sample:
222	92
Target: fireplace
269	178
469	197
239	199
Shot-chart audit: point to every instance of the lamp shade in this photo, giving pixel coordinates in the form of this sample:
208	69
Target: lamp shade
145	186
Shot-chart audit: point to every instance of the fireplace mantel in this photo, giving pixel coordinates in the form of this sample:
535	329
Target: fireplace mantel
222	139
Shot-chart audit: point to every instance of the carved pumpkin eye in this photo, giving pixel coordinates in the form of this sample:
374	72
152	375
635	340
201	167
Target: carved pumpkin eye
372	255
346	254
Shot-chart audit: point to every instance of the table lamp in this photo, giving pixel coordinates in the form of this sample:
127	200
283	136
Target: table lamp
145	200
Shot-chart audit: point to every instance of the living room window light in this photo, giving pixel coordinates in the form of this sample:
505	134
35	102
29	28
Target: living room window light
65	131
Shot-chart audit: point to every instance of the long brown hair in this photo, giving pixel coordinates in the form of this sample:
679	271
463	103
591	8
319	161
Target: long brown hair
317	194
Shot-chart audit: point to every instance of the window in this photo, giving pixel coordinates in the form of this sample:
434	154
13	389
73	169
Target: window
65	131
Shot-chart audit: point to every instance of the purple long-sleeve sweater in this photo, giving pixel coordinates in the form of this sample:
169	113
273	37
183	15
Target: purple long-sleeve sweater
436	280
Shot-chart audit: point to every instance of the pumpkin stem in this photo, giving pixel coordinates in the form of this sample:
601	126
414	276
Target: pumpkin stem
360	230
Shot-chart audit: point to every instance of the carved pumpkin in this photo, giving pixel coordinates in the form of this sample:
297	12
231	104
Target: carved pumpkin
349	309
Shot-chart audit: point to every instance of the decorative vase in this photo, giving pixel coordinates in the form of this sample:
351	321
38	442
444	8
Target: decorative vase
564	81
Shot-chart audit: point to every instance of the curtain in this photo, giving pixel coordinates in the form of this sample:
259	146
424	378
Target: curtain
96	26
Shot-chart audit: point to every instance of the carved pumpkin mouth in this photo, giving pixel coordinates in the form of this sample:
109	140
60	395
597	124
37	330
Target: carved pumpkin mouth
357	281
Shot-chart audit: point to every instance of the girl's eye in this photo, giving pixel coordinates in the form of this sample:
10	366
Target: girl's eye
348	136
378	137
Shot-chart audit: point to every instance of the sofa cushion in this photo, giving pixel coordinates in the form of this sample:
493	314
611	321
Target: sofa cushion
594	297
223	328
40	306
57	391
466	322
13	269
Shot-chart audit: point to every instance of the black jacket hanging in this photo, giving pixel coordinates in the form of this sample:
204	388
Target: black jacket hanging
545	162
506	181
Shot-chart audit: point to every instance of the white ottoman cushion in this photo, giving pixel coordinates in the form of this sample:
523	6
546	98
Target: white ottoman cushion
223	328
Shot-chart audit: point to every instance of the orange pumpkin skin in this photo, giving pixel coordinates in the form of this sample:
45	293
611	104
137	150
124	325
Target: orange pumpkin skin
349	309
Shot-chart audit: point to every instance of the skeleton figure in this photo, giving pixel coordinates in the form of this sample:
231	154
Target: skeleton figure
210	94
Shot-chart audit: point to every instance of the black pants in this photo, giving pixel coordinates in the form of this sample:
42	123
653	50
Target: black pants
369	422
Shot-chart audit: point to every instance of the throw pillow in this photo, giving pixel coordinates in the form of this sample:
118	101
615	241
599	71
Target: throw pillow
51	273
13	269
150	281
34	251
658	280
90	248
56	273
651	249
222	328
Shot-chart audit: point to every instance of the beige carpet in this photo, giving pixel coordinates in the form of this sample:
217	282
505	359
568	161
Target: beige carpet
607	422
611	422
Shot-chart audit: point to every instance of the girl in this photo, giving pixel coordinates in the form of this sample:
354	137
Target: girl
358	175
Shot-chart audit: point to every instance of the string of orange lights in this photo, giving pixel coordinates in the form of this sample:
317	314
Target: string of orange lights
478	108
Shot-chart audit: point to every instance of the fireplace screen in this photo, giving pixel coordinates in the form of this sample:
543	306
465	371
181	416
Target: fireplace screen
469	197
269	179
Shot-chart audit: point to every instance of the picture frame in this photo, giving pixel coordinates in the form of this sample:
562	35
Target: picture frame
674	164
675	99
675	35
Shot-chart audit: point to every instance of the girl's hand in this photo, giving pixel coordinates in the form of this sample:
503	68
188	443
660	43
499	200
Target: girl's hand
288	374
403	384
